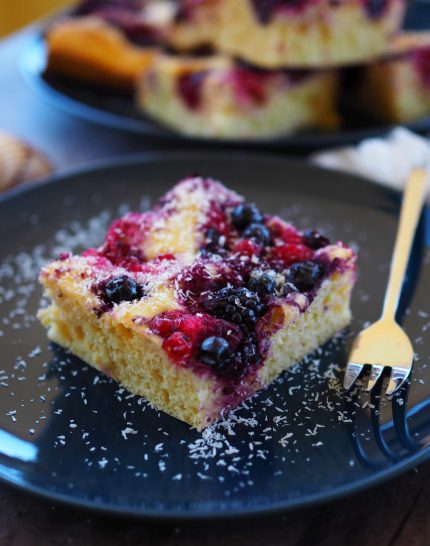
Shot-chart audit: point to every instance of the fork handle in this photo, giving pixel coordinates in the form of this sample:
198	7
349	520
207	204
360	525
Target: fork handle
413	200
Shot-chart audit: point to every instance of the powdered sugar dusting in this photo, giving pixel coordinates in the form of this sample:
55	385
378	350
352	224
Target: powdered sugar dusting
96	426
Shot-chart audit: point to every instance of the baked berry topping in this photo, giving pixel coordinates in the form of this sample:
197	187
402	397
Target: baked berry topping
215	351
314	239
245	214
258	232
263	282
122	288
247	247
266	9
178	346
249	352
282	231
238	305
421	59
122	245
250	84
126	15
189	86
305	275
289	288
291	253
215	241
375	8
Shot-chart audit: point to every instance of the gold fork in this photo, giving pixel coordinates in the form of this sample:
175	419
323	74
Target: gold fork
384	344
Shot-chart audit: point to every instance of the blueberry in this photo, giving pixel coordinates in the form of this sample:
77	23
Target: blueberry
215	351
258	232
263	282
238	305
243	215
314	239
288	288
305	275
375	8
213	241
122	288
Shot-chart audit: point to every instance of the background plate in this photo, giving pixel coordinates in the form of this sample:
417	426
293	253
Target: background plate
71	434
118	110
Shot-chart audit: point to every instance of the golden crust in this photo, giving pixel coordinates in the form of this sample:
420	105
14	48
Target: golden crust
89	49
325	35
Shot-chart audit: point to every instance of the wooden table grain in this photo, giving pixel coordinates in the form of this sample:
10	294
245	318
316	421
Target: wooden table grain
395	513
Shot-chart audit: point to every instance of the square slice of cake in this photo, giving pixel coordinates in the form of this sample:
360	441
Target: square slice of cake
396	88
289	33
200	302
217	97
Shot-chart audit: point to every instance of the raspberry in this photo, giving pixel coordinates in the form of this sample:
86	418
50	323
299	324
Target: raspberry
285	232
163	324
247	247
178	346
190	87
291	253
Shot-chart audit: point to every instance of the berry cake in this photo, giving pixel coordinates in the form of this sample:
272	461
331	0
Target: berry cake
395	89
289	33
107	42
215	96
200	302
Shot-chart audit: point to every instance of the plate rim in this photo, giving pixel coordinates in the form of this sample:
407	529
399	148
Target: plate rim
132	160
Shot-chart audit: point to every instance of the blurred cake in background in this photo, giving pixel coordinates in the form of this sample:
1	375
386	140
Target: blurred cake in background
396	88
108	43
217	97
298	33
247	69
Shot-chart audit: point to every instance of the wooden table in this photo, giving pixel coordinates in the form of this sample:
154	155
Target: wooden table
396	513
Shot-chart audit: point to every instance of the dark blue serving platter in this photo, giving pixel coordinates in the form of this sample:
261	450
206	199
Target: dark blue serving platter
118	109
71	434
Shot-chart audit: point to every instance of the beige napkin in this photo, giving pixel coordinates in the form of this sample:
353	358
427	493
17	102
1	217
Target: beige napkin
387	160
20	162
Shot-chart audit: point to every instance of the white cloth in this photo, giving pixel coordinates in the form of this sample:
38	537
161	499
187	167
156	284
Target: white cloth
387	160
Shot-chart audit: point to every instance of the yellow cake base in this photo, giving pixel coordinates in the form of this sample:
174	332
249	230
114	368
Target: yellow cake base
130	354
327	34
392	90
287	106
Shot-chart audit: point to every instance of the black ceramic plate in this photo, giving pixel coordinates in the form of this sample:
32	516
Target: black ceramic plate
118	110
71	434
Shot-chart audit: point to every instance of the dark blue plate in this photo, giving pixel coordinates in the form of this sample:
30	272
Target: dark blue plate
118	110
71	434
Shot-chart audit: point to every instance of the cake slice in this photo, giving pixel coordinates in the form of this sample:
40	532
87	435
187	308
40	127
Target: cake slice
396	88
107	43
216	97
286	33
200	302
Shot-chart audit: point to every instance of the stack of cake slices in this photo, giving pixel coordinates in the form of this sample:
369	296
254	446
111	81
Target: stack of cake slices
249	68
